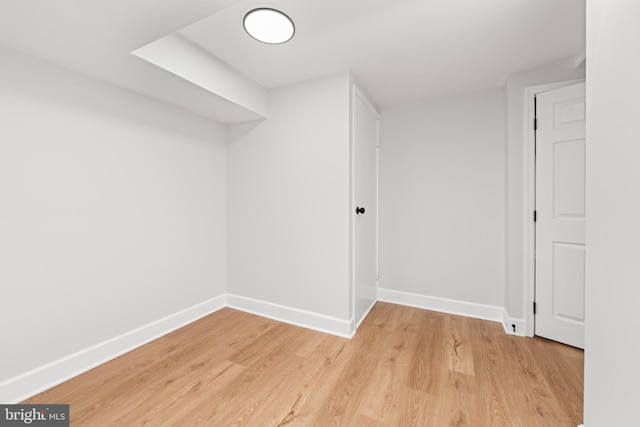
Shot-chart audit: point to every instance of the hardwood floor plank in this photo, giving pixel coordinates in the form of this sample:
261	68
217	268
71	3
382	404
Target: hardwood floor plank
282	401
528	390
563	369
429	354
364	421
460	351
344	399
166	406
490	378
335	355
404	367
457	404
381	393
416	409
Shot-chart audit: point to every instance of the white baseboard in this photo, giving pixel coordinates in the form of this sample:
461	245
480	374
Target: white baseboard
293	316
40	379
461	308
509	322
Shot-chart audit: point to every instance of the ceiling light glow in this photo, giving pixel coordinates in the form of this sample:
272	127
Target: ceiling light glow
269	26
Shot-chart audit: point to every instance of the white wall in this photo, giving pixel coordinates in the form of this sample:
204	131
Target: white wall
442	202
288	200
612	348
516	170
112	212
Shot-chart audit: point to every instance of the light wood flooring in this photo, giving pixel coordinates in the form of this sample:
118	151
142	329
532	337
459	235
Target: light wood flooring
404	367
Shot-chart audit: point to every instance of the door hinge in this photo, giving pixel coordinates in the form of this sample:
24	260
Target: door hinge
534	307
535	123
535	216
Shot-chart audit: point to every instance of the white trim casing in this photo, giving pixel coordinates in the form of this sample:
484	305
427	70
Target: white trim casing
529	202
293	316
30	383
356	92
461	308
508	323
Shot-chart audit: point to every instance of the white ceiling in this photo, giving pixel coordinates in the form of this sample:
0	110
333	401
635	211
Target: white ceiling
400	50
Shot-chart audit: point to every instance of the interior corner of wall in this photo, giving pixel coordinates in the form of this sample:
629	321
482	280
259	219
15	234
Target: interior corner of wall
580	62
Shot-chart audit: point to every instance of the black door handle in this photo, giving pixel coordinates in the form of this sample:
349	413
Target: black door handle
359	210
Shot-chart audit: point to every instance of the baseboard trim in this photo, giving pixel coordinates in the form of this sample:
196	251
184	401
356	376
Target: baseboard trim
293	316
33	382
509	322
26	385
460	308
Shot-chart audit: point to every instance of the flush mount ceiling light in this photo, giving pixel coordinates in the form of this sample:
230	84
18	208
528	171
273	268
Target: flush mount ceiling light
269	25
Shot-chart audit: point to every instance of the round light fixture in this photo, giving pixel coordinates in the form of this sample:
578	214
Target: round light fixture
269	25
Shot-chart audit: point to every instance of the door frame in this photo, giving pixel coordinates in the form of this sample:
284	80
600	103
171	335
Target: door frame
356	93
529	205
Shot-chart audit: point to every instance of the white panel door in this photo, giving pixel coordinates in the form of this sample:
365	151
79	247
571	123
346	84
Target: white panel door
365	209
561	216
